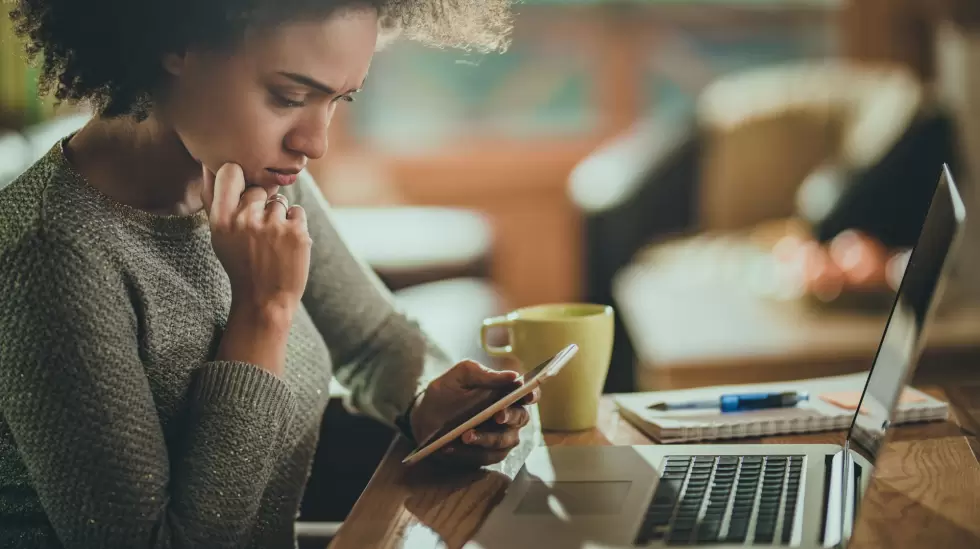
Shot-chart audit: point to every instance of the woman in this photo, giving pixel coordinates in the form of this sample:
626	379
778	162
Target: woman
174	294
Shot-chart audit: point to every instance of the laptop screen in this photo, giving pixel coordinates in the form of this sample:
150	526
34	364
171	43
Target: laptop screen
918	292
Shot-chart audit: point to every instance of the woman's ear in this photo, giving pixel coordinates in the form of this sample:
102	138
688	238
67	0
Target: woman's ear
173	63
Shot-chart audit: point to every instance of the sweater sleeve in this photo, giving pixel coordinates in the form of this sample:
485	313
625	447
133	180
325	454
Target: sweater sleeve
77	400
381	356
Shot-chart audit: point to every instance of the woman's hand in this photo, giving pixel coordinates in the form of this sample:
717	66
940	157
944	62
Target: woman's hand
261	241
457	389
264	246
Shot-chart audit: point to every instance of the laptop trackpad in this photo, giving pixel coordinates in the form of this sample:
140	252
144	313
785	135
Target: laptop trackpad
574	497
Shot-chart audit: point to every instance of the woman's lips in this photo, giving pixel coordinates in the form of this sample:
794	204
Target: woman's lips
284	179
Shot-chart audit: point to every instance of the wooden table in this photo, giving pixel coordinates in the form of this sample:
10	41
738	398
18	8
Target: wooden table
924	492
695	313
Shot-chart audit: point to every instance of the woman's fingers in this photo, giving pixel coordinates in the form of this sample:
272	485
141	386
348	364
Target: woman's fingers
531	397
501	433
251	206
297	215
229	184
490	442
515	416
493	440
276	208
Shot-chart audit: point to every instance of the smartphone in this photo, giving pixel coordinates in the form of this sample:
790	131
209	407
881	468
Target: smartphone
484	407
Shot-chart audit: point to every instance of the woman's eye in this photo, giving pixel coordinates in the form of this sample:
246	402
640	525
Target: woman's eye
347	98
286	102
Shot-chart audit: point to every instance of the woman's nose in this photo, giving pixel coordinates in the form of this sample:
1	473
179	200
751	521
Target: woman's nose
310	137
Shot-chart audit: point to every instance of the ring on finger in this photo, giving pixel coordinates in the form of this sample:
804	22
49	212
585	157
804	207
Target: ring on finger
278	198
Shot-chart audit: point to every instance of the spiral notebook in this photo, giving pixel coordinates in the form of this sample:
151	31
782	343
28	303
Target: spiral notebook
830	407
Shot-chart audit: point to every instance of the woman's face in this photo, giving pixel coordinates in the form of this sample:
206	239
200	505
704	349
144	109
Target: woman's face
267	106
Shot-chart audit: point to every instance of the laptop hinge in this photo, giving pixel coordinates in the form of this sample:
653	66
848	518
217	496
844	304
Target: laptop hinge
839	523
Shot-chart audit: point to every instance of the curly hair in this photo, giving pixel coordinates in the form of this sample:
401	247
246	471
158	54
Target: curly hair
108	52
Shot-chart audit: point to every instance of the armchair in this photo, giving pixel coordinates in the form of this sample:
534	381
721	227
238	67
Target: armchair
639	187
757	148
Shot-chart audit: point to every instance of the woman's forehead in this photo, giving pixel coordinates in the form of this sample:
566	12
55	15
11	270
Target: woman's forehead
336	50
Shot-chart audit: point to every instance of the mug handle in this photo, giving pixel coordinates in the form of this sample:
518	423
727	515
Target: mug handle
497	321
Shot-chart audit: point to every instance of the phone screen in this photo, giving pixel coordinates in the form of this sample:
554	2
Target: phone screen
483	400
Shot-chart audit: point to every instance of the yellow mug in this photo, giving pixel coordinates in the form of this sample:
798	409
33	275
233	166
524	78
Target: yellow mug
570	400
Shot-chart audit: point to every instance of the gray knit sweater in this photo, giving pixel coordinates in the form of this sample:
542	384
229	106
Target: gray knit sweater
117	427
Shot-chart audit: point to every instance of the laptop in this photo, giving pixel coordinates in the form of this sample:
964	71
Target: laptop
733	495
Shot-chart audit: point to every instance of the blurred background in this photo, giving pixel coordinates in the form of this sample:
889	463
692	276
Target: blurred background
739	178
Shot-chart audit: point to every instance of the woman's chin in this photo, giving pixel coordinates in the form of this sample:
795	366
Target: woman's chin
268	187
271	190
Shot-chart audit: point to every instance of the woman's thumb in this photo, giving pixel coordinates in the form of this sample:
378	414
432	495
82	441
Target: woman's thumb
478	375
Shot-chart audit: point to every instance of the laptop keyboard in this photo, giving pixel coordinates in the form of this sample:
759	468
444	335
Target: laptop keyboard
703	500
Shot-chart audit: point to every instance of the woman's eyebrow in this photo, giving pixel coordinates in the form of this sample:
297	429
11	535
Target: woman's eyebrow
310	82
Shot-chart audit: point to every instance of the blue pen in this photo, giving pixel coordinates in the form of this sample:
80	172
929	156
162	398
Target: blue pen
738	402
